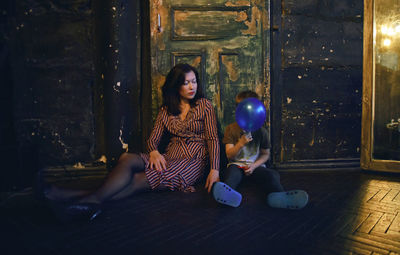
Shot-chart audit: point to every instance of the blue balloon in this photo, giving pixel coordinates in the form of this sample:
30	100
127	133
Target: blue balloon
250	114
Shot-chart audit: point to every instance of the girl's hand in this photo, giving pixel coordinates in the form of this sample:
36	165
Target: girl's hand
249	169
245	138
157	161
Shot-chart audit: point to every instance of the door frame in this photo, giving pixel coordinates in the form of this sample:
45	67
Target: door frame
367	160
276	80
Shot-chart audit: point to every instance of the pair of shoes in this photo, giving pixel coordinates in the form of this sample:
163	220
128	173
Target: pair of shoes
293	199
224	194
66	211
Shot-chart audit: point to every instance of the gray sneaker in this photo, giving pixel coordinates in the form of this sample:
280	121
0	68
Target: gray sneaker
293	199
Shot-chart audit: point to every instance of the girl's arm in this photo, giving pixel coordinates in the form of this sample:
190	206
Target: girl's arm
233	149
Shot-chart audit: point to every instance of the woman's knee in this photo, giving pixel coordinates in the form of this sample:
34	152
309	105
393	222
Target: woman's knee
124	156
131	160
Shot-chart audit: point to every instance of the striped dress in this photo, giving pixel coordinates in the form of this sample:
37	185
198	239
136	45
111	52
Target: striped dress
193	146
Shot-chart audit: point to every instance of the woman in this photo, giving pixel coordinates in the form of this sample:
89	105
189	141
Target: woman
190	119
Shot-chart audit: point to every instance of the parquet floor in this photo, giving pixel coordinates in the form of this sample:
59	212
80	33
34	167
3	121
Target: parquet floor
350	212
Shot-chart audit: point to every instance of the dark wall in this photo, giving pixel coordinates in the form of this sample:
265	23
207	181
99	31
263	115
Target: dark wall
71	86
317	88
8	148
75	81
48	71
51	47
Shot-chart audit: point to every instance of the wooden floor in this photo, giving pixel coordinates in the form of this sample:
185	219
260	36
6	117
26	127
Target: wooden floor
350	212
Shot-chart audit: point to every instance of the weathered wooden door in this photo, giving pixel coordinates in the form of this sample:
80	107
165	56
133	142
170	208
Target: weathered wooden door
316	84
226	40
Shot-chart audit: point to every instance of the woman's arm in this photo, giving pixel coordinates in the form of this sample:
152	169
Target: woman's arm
211	134
156	160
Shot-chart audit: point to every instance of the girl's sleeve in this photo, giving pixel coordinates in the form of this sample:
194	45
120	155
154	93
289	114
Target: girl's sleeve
158	130
211	134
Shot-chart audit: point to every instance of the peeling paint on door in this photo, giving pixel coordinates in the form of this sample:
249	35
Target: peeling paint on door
222	39
233	72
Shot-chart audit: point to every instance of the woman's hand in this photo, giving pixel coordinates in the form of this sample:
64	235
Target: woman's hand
157	161
212	177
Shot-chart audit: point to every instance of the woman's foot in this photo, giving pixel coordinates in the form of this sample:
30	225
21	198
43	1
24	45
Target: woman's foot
224	194
293	199
87	208
85	211
47	191
66	211
52	192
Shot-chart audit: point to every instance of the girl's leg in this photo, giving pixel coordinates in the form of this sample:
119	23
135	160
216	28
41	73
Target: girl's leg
232	176
224	192
268	179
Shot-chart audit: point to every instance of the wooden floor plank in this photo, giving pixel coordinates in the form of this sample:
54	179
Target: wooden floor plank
376	244
380	195
390	195
384	223
370	222
395	226
355	224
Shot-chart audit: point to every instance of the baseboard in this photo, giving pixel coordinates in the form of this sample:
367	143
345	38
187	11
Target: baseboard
69	171
323	164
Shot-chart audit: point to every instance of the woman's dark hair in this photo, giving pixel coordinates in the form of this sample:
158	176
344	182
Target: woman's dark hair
170	90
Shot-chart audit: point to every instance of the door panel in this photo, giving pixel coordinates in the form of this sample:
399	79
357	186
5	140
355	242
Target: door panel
316	82
206	23
224	40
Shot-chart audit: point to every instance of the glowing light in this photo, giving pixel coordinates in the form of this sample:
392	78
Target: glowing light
390	30
384	30
387	42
